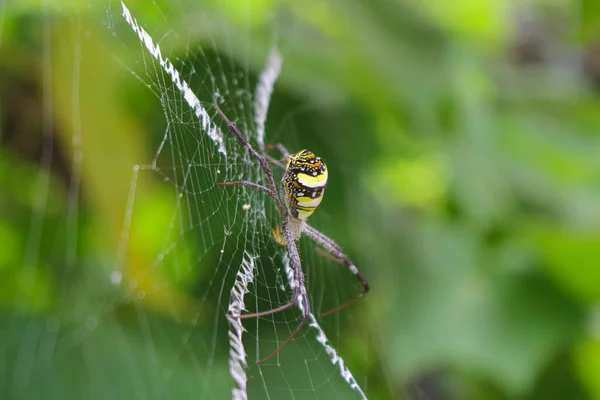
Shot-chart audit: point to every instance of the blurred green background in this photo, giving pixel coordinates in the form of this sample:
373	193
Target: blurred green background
463	142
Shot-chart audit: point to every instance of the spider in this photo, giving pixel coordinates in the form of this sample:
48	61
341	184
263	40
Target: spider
303	184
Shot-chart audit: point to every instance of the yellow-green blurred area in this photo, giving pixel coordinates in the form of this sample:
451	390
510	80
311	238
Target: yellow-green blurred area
463	145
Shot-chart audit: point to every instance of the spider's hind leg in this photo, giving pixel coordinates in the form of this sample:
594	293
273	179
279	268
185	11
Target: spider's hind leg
298	291
336	252
328	256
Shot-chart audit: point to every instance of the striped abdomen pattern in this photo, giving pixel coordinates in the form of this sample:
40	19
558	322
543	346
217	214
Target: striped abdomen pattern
304	182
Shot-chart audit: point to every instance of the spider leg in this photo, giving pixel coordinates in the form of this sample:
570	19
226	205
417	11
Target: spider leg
284	152
275	161
306	316
293	302
249	184
328	256
335	250
284	307
263	162
299	289
288	340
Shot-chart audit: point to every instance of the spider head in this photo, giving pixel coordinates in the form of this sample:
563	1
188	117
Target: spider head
304	182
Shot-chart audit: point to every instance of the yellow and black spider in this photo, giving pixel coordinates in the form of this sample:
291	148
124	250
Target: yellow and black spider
303	183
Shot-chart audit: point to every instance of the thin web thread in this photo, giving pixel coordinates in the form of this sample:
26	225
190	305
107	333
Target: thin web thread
321	337
207	125
264	89
237	352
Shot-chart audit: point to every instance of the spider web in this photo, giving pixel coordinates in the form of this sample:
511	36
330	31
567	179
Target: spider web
121	256
150	254
221	237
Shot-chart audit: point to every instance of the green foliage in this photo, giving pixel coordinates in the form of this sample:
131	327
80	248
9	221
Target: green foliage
464	181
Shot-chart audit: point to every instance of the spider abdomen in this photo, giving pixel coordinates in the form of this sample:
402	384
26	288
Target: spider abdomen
304	183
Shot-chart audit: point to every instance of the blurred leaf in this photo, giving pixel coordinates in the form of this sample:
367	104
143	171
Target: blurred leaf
104	359
419	182
464	311
587	360
484	21
571	258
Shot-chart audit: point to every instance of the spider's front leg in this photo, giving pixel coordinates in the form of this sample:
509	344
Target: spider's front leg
284	153
249	184
264	164
281	148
